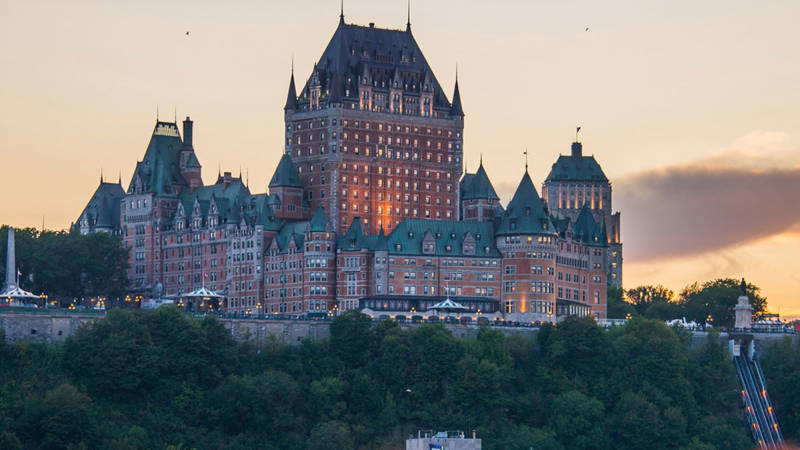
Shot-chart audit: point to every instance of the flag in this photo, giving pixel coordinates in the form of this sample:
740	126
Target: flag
578	129
205	275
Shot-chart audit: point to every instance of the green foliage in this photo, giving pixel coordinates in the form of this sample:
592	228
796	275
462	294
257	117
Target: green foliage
718	298
781	365
644	297
617	307
160	380
66	265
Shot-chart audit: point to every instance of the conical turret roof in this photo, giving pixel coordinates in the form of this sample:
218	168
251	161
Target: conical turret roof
526	212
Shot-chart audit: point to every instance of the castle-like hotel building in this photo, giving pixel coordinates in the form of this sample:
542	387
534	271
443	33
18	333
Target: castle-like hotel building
369	205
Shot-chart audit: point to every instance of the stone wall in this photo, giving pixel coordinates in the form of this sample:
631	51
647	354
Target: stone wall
43	327
55	327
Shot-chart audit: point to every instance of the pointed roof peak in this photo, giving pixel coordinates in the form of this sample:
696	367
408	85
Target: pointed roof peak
291	96
341	13
408	21
456	109
286	174
320	220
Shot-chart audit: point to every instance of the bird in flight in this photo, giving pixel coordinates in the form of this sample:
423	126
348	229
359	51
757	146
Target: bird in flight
187	33
587	29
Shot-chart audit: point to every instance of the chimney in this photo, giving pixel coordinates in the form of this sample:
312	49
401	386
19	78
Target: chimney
11	264
372	24
577	150
227	178
187	132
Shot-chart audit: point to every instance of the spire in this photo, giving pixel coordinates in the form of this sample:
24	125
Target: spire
291	97
481	160
119	180
101	175
341	13
408	22
456	109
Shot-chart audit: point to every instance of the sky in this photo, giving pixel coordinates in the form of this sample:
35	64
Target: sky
690	107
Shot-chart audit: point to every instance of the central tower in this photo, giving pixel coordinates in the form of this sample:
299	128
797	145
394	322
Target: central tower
372	133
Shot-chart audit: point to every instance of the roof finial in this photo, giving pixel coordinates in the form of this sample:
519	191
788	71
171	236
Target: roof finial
247	183
292	65
526	159
456	72
101	175
175	114
341	12
119	180
408	22
156	112
481	158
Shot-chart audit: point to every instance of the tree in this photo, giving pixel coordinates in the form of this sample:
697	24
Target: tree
617	307
332	435
718	299
643	297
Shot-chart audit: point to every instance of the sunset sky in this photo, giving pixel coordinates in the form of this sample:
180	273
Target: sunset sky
690	107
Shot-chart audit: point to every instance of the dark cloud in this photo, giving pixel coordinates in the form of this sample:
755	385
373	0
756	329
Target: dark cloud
683	211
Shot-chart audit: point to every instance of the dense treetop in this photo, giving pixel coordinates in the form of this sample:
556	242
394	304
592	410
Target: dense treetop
158	379
68	265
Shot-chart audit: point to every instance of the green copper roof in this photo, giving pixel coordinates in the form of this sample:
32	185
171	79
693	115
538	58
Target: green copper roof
355	238
286	174
586	230
291	229
576	167
477	186
103	209
526	213
159	171
319	222
448	237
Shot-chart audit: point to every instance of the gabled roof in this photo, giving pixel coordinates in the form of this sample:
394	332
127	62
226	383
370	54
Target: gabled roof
477	186
526	213
291	230
448	236
383	58
159	171
286	174
576	167
103	209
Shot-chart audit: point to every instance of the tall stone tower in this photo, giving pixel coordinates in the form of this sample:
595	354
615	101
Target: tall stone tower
373	134
577	180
